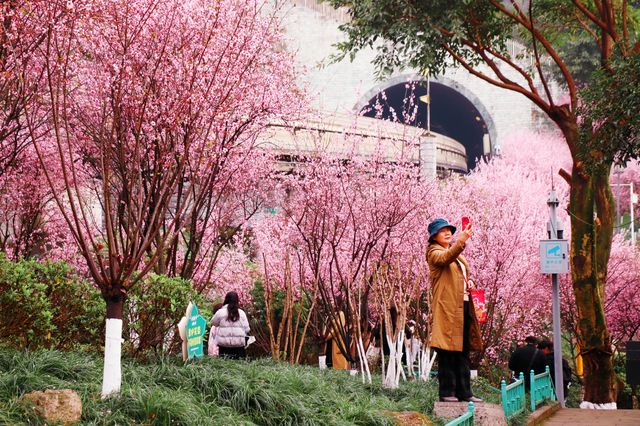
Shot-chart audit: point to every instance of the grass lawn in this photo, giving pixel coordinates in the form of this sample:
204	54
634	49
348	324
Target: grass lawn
211	392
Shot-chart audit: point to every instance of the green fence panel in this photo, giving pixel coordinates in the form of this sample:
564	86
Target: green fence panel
467	419
541	388
513	399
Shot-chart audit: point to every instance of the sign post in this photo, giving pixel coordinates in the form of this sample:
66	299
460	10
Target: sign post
196	327
554	260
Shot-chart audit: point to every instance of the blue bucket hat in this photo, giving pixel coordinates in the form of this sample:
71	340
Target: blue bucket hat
437	225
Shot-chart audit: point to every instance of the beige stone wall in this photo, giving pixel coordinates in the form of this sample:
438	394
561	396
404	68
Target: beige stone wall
344	87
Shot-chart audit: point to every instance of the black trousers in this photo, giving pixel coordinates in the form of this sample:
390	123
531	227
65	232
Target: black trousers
454	375
232	353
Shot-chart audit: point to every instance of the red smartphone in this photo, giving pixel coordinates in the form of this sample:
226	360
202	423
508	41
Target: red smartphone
465	222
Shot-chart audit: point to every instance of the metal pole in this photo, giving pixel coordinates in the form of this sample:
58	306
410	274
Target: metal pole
617	229
557	341
557	333
428	104
633	220
427	100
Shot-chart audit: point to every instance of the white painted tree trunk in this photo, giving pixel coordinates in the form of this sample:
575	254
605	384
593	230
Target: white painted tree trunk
391	379
426	363
407	350
112	372
422	361
364	362
383	370
399	369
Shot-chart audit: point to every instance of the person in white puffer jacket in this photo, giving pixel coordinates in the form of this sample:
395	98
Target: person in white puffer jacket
233	328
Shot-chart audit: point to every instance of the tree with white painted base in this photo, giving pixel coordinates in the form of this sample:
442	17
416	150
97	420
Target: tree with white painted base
394	288
139	95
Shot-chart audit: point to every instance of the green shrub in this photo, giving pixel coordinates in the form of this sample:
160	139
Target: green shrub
46	305
152	310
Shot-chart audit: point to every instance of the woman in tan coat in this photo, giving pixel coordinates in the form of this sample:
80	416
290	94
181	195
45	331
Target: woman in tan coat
455	329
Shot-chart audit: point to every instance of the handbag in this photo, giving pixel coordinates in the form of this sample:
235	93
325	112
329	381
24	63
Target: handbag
477	295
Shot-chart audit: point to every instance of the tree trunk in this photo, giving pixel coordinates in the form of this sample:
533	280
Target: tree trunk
112	373
115	305
592	219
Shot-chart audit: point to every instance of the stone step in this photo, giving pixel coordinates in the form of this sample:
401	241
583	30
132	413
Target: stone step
485	413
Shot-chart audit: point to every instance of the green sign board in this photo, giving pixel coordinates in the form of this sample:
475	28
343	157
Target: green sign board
196	327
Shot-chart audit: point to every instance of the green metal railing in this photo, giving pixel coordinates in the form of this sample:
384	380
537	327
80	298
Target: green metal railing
541	388
513	399
467	419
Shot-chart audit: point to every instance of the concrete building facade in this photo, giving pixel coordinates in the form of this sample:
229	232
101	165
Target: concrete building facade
347	87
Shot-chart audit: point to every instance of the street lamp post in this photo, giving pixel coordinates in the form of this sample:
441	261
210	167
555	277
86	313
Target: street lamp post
554	260
428	148
427	100
429	104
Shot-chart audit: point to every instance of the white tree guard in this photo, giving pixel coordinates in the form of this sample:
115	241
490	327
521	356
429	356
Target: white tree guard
426	363
364	362
391	379
112	372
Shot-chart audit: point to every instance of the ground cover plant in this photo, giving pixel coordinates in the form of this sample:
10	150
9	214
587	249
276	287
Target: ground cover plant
214	391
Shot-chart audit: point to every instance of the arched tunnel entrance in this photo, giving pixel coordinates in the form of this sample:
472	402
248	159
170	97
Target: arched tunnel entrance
452	114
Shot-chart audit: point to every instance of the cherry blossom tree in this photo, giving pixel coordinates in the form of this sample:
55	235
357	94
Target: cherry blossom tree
342	219
621	293
506	201
236	188
20	36
30	224
141	95
287	334
26	222
23	197
395	285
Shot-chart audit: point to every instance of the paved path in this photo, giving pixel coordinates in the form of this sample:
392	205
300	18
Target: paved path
576	416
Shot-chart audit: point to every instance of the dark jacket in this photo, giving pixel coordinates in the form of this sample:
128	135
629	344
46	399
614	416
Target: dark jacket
376	336
566	372
524	359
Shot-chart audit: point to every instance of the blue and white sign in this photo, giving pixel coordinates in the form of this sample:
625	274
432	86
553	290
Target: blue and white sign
554	256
